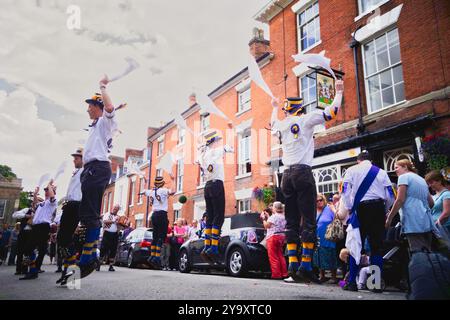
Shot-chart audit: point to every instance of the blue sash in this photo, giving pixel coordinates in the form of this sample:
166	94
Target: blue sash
365	185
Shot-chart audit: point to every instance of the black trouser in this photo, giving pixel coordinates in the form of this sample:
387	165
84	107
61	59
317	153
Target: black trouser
110	240
39	239
299	190
160	224
68	224
94	179
215	203
371	216
22	244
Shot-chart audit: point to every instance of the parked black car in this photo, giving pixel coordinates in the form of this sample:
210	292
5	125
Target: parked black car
135	248
240	250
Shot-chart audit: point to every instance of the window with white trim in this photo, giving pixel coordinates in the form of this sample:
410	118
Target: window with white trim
177	214
132	190
244	152
308	89
201	178
383	73
160	147
392	156
159	172
308	27
181	135
328	178
180	174
244	205
368	5
244	100
141	189
2	208
204	122
139	223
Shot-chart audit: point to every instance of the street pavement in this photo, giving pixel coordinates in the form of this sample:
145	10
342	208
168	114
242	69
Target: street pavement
138	284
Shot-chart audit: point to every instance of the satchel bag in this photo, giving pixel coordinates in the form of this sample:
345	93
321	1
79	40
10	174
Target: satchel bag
335	231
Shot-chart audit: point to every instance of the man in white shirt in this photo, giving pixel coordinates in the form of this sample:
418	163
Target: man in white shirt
40	230
370	210
110	238
96	174
159	201
211	166
193	230
70	217
23	239
298	184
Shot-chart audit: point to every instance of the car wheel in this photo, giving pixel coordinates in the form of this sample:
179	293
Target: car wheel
236	263
130	260
183	262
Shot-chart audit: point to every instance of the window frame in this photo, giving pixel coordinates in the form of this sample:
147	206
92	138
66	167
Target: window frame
245	202
160	150
2	212
312	105
181	136
310	20
180	178
378	73
205	119
247	104
243	166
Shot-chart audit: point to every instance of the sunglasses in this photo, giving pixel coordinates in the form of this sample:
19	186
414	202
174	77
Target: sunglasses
319	200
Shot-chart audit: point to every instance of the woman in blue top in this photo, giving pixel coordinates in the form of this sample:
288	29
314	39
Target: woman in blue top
325	255
441	209
416	202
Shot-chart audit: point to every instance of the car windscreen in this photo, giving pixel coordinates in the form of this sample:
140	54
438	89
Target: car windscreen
246	220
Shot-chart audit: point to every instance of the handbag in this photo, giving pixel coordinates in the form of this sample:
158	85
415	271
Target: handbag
335	230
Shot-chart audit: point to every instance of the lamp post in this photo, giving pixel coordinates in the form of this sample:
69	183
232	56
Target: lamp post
354	44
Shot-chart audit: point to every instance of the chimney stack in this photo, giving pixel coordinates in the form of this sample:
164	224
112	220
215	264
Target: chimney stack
192	99
258	45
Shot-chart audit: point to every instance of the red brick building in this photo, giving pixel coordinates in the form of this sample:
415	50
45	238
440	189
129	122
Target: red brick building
394	57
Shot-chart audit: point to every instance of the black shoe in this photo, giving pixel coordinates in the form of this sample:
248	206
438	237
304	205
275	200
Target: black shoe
59	271
88	268
307	276
205	257
18	273
63	276
41	271
350	286
29	276
111	268
213	256
63	279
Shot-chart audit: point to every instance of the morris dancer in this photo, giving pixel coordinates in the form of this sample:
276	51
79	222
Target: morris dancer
212	167
70	217
159	202
96	174
40	229
298	184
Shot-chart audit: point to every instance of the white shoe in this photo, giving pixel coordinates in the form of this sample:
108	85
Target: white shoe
289	280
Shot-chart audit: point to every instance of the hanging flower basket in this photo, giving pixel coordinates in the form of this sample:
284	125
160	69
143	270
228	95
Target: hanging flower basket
437	151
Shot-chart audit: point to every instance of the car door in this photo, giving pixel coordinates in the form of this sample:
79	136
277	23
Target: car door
124	247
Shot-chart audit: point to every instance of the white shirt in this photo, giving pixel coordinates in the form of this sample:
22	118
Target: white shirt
44	211
192	233
74	189
211	162
99	141
113	226
20	214
158	198
381	187
297	132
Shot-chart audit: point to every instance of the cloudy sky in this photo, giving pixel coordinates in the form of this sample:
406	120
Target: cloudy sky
47	70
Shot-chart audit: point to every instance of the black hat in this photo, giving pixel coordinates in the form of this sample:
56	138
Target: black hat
96	100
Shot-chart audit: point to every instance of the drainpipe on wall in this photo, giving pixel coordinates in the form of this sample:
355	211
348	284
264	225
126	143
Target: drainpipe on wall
354	45
150	148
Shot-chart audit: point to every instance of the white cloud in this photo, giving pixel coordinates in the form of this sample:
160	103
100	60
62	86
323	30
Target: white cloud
180	46
31	146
